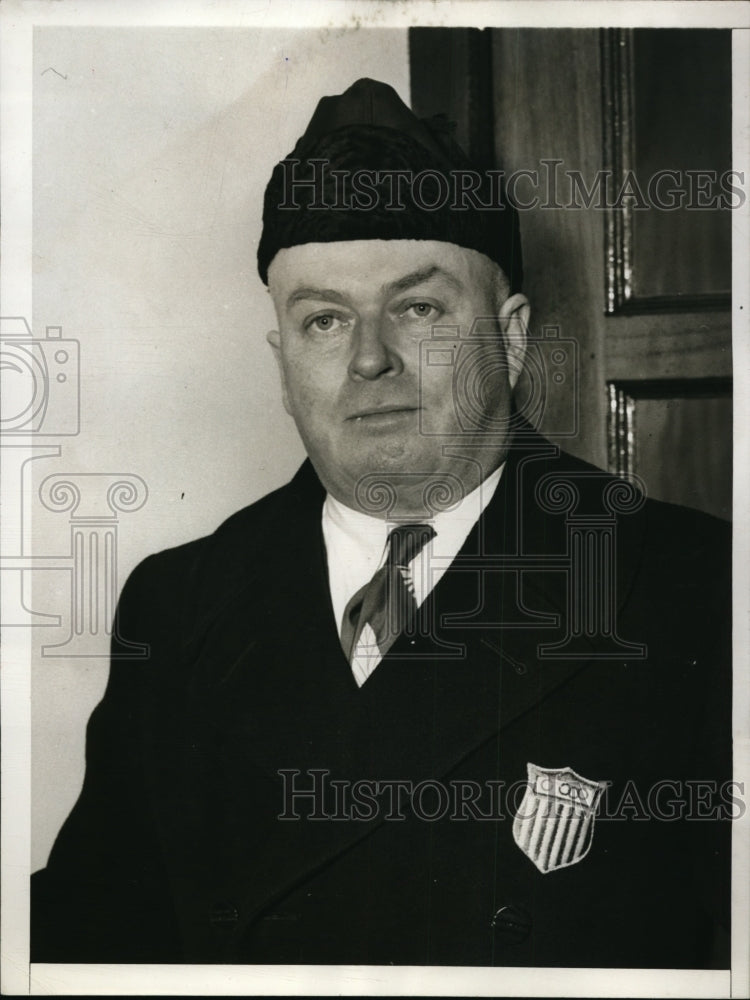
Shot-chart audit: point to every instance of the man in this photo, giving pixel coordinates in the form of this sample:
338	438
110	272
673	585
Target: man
450	696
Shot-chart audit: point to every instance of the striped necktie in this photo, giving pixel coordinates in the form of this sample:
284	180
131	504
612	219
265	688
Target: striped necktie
385	607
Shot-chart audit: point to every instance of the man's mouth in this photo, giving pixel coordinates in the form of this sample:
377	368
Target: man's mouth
382	414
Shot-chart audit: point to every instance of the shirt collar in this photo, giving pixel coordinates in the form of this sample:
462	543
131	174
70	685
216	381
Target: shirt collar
368	535
356	545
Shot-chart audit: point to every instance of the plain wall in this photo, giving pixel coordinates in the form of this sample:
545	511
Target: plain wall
152	148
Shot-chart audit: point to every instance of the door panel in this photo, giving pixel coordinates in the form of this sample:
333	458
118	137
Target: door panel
676	434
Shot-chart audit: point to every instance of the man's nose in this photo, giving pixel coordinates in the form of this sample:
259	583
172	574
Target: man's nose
374	353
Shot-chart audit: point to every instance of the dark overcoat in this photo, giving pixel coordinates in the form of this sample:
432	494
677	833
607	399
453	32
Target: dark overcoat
580	628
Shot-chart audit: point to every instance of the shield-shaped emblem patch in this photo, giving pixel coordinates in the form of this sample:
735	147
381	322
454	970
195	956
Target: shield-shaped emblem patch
554	825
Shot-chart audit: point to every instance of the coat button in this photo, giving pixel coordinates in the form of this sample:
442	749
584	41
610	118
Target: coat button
223	914
512	924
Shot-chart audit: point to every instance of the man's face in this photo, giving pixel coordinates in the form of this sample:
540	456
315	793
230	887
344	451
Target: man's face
352	317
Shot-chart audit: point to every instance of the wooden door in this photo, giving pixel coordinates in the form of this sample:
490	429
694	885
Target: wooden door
637	293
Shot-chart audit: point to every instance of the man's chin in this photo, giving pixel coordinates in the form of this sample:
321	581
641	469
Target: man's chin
398	482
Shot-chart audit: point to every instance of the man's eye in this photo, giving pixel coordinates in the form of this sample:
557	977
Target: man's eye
422	310
324	323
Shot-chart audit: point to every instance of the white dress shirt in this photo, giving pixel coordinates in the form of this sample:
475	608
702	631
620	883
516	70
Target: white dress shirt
356	547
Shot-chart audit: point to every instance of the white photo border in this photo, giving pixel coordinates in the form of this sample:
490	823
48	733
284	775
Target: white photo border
19	19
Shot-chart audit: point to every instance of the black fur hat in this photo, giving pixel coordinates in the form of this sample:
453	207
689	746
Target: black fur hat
368	168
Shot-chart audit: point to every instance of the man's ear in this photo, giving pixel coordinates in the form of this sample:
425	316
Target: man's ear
514	325
274	339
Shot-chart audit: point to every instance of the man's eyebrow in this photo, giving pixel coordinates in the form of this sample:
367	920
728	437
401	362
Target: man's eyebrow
326	294
418	277
410	280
